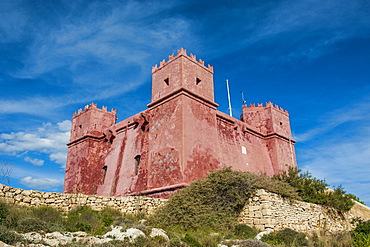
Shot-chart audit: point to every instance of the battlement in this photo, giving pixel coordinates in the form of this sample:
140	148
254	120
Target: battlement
93	106
181	52
267	105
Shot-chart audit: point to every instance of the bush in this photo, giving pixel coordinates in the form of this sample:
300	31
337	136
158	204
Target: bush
360	239
244	232
36	225
315	190
48	214
192	241
3	212
9	237
363	227
215	202
286	236
83	219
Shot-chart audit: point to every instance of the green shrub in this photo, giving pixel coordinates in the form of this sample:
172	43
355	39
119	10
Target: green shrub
315	190
48	214
9	237
356	198
216	201
286	236
360	239
245	232
363	227
4	212
30	225
192	241
83	219
110	212
107	221
36	225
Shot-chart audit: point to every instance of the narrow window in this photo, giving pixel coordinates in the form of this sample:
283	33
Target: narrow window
167	81
137	164
198	81
104	172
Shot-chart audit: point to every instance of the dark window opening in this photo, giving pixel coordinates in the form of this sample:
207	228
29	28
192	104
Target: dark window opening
281	123
104	173
137	164
167	81
80	126
198	81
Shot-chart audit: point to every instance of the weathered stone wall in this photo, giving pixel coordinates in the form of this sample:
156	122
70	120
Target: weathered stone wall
265	210
269	211
66	202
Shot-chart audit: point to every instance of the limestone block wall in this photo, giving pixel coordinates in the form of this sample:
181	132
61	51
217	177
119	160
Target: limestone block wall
264	211
66	202
270	211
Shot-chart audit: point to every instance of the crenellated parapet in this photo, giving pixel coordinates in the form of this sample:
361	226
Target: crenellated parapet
181	52
266	105
93	106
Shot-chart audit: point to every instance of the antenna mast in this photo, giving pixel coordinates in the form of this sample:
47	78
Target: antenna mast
243	101
228	97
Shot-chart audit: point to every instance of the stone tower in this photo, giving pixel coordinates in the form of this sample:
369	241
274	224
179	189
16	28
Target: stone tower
180	137
83	170
182	107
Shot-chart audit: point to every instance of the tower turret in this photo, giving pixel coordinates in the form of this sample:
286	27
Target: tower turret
269	119
182	72
91	121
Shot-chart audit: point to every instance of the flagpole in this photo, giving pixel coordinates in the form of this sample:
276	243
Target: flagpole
228	97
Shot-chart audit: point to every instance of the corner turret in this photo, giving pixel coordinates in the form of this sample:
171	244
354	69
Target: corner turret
269	119
91	121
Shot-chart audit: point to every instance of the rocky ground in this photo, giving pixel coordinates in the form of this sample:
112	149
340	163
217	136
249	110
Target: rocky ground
36	239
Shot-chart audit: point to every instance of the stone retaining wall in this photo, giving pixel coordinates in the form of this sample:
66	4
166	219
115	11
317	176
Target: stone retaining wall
66	202
264	211
269	211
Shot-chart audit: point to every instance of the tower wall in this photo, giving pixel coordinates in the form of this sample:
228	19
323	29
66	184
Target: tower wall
273	122
87	149
182	72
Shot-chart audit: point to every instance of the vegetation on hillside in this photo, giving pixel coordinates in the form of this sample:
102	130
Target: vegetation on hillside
216	202
203	214
315	190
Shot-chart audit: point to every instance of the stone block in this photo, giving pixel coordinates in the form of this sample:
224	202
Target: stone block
264	198
26	192
265	221
258	214
266	212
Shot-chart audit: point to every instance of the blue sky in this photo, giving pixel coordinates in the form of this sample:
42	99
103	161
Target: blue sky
310	57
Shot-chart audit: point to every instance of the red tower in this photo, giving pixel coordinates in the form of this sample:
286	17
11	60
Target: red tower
179	138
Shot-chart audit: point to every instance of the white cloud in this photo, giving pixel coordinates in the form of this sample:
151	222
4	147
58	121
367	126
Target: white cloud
41	183
48	139
36	162
338	149
329	121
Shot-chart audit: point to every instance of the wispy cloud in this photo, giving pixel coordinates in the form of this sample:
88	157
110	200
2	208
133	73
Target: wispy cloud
356	112
36	162
338	149
48	139
41	183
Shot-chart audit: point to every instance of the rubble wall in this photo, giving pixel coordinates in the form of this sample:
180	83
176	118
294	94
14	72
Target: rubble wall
66	202
265	211
269	211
